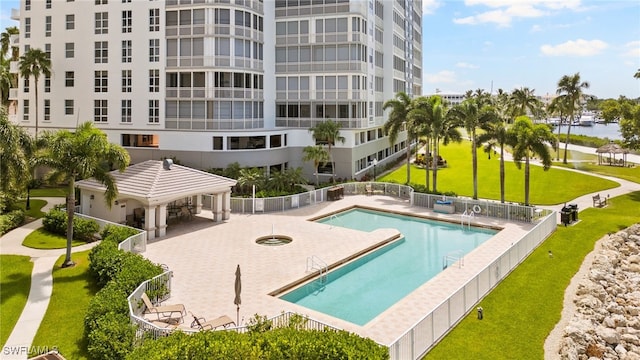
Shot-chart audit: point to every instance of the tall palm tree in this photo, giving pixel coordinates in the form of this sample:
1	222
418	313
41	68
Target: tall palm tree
250	177
523	99
560	105
419	119
15	150
444	127
81	154
496	132
5	41
318	155
400	107
6	81
35	62
571	86
529	140
472	115
328	132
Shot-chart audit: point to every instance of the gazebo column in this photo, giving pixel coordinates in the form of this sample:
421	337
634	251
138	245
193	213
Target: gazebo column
217	208
198	203
226	209
150	221
161	220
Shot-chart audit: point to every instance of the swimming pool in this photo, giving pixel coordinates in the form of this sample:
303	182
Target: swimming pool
364	288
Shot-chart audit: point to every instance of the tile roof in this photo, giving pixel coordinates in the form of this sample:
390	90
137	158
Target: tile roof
151	183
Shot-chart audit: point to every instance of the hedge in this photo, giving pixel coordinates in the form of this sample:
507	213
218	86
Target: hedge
55	222
11	221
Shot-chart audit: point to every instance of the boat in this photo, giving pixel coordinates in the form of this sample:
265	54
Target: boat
586	121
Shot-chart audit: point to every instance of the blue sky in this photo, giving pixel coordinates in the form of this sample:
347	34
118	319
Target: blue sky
507	44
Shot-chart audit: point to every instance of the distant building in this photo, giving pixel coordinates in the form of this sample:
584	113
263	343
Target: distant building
221	81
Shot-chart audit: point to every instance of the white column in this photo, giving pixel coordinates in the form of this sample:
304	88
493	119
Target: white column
217	208
226	208
198	203
161	220
150	221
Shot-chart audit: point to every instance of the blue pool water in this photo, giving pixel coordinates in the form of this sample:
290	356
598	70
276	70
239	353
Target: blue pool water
364	288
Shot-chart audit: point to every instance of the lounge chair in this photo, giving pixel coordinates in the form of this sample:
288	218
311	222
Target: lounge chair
168	312
368	189
201	324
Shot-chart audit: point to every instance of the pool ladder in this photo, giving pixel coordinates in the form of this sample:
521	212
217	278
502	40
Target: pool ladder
452	258
466	216
314	263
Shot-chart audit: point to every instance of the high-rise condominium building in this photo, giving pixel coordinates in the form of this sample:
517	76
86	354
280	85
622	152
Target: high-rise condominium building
212	82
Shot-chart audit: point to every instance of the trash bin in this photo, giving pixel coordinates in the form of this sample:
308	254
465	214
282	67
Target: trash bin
574	211
565	216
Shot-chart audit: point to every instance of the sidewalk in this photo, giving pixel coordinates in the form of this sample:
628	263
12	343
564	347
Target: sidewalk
41	283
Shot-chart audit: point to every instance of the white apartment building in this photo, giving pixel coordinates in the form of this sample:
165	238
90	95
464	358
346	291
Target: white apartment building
212	82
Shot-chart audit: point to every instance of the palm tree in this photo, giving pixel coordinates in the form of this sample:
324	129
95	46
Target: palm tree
81	154
571	86
443	127
472	115
250	177
529	140
400	107
637	74
561	106
328	132
5	41
318	155
419	119
6	81
523	99
35	62
15	150
496	132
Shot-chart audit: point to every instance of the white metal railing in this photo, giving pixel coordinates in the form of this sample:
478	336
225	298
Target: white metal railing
467	216
136	243
158	289
426	332
452	258
314	263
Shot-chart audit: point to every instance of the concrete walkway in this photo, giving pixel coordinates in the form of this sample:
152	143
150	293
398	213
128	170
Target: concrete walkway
17	346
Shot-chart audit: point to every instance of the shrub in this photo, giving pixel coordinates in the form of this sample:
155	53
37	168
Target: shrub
116	233
105	262
110	299
134	270
112	338
55	222
11	221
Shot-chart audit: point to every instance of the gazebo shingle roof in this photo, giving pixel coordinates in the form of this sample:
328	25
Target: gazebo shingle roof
151	183
612	148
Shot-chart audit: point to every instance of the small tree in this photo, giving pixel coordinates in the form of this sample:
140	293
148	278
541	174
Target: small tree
328	132
318	155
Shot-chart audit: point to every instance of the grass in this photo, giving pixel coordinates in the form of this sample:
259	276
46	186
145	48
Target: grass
15	282
42	239
49	192
626	173
35	207
524	308
554	186
63	324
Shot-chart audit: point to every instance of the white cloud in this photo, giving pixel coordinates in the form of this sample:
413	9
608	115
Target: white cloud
535	28
578	47
444	76
504	12
429	6
633	49
465	65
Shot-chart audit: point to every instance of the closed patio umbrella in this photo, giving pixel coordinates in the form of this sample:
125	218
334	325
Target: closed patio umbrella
237	301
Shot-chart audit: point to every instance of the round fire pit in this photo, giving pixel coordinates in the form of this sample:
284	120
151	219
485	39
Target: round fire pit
273	240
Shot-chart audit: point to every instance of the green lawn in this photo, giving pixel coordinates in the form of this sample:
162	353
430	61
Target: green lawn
42	239
626	173
524	308
15	281
35	206
546	187
49	192
63	324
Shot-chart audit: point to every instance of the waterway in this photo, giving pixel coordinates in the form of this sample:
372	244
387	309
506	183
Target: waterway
610	131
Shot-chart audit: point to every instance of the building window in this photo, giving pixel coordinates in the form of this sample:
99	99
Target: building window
102	2
126	21
154	80
70	21
47	83
100	110
69	50
154	19
101	81
68	107
27	28
47	110
154	50
126	111
27	5
126	81
47	51
47	4
26	85
154	111
101	54
25	109
69	79
222	17
126	51
102	23
47	26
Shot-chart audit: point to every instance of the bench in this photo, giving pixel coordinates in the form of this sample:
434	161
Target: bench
598	201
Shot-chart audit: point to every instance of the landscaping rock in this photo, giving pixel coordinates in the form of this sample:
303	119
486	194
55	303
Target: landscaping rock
606	324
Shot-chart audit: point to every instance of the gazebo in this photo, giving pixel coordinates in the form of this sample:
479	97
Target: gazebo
612	149
150	192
